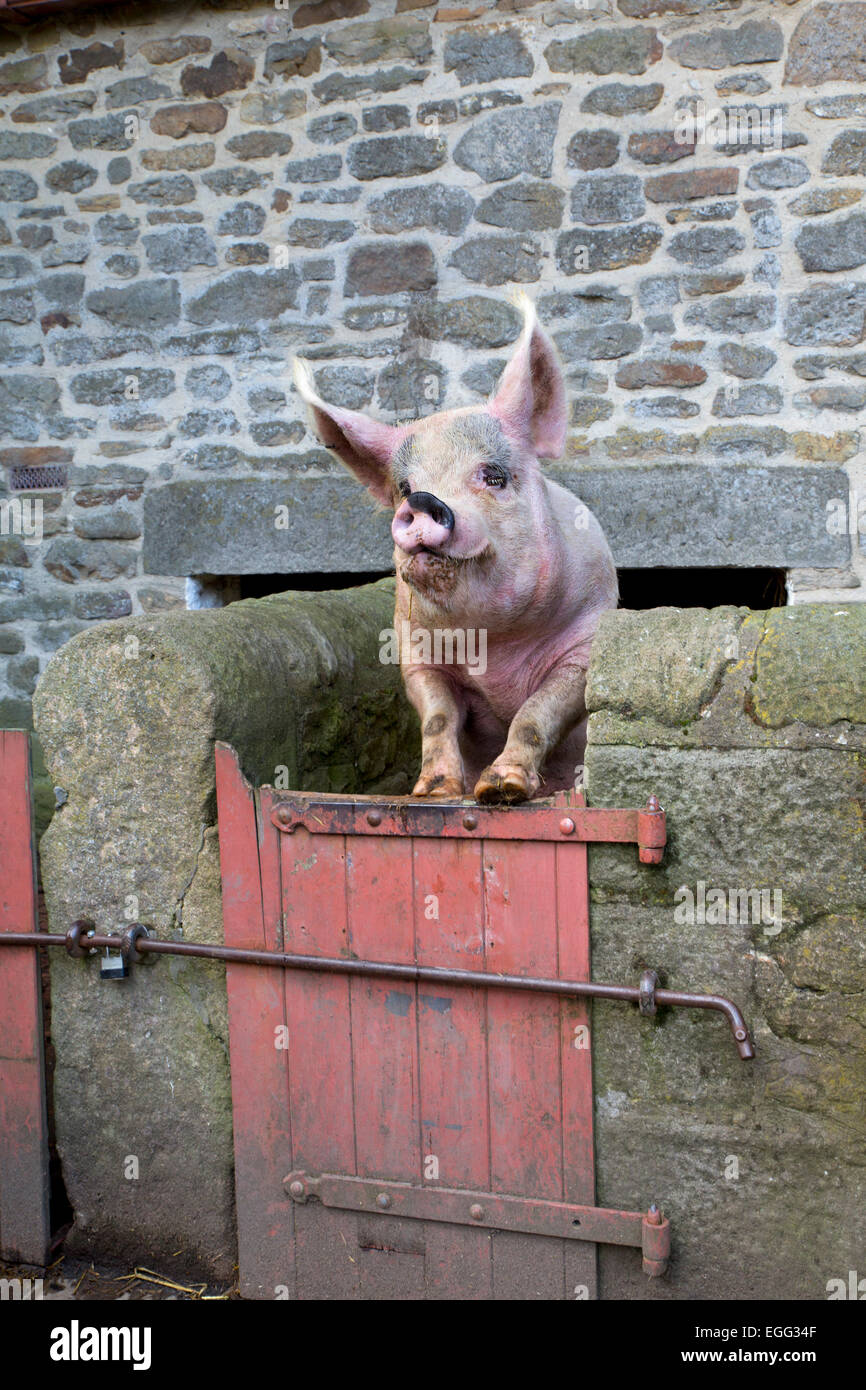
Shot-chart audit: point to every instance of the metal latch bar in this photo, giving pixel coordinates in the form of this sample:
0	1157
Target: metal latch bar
528	1215
136	945
556	822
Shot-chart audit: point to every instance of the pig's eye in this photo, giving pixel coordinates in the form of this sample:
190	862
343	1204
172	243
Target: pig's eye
494	476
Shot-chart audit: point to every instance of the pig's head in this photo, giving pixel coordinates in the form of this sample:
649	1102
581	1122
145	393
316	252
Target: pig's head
472	526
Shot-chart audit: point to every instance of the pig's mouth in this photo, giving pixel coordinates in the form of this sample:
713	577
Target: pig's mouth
482	552
430	569
425	561
439	554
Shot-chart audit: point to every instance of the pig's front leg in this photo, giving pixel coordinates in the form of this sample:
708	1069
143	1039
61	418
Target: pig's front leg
441	714
536	729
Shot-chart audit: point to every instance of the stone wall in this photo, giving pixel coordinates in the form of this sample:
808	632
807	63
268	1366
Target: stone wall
194	193
751	727
128	714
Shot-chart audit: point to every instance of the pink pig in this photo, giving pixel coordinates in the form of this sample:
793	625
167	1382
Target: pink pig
489	549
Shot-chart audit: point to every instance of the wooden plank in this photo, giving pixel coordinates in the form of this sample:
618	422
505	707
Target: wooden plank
317	1006
524	1060
24	1193
326	1249
320	1042
391	1255
445	1086
572	919
384	1026
452	1050
259	1063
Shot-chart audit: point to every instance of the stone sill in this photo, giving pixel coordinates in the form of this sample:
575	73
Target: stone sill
674	515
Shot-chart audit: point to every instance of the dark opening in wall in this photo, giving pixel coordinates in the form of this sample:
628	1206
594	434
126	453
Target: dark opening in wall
218	590
60	1210
260	585
702	588
643	588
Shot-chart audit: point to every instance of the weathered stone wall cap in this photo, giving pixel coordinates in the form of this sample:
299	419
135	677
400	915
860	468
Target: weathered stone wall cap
742	673
811	666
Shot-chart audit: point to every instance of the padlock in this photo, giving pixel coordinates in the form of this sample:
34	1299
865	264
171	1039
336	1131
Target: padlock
113	966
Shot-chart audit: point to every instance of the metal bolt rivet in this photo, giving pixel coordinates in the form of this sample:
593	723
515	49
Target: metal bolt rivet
476	1211
566	826
740	1035
653	804
374	817
383	1201
296	1188
470	821
284	814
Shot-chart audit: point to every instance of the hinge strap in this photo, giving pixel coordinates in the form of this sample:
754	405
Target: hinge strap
530	1215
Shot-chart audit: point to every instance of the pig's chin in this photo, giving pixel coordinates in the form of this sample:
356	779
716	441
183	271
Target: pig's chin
434	575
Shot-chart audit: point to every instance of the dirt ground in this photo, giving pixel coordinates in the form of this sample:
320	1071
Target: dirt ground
70	1279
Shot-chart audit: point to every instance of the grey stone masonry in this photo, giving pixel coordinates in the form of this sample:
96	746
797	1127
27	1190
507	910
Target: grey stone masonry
294	683
751	729
188	200
667	513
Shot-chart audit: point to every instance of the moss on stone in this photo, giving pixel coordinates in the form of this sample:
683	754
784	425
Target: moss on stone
811	666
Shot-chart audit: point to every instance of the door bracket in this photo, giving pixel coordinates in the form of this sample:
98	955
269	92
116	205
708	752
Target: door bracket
532	1216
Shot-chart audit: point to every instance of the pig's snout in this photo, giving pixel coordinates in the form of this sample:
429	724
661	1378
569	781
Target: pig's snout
422	522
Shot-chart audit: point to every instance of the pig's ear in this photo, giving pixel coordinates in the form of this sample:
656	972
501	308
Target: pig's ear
530	400
365	446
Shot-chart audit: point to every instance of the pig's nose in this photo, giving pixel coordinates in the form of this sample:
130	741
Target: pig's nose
438	511
421	522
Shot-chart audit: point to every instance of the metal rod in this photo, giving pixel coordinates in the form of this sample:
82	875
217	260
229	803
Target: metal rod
340	965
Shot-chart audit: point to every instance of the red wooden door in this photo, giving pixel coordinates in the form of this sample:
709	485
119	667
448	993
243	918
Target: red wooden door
364	1105
24	1223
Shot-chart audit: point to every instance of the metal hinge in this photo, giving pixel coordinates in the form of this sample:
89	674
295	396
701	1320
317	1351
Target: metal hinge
558	820
529	1215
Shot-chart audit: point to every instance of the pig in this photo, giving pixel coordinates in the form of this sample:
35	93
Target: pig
487	547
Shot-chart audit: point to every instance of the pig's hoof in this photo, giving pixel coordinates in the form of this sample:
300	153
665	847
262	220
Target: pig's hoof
438	784
507	783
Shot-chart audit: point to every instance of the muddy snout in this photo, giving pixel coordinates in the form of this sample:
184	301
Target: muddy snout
422	522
